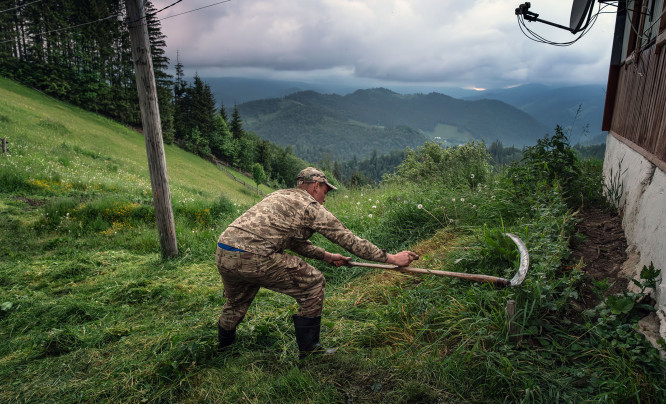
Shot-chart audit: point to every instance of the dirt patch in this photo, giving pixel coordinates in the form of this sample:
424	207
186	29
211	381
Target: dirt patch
32	202
602	247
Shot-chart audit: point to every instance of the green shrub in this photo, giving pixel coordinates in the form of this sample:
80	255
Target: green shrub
221	207
552	162
466	165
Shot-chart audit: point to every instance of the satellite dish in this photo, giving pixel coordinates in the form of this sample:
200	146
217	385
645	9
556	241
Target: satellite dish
579	10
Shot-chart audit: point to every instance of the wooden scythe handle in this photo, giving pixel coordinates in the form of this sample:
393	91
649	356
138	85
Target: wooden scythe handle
497	281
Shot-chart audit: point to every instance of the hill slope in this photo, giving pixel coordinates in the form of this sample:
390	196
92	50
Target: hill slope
358	123
556	106
52	138
89	309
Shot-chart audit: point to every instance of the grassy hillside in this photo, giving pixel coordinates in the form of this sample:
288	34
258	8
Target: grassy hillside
89	312
48	138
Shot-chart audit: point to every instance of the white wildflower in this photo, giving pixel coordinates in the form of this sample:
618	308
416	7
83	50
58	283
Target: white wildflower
374	207
472	176
419	206
462	199
370	215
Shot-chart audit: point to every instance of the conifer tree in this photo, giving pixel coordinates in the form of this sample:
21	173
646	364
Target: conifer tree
236	125
180	101
223	113
203	106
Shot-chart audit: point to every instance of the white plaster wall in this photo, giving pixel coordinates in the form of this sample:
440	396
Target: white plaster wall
643	207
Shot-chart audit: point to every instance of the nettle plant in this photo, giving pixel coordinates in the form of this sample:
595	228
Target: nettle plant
552	161
618	315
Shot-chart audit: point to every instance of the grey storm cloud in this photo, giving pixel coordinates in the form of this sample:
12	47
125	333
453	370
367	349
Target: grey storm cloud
464	43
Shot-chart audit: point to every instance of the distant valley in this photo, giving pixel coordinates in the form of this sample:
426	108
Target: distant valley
319	120
558	106
379	120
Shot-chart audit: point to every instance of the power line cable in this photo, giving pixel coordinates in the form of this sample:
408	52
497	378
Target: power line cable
170	5
154	13
22	5
119	15
73	26
196	9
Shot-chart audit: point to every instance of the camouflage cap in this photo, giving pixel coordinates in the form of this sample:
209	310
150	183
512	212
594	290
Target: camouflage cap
311	174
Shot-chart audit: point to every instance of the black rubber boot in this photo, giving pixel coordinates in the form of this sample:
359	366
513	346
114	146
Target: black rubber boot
225	337
307	337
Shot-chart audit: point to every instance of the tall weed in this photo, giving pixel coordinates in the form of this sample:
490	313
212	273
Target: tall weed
465	165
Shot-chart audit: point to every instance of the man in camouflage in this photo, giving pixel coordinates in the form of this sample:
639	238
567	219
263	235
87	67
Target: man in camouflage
250	254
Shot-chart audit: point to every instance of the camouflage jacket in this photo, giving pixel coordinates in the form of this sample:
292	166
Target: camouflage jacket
286	219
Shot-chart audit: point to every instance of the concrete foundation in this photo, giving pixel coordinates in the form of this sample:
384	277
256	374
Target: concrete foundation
640	187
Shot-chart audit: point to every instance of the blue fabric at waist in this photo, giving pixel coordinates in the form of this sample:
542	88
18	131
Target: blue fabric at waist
229	248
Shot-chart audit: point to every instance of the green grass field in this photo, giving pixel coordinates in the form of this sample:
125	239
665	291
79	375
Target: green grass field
89	312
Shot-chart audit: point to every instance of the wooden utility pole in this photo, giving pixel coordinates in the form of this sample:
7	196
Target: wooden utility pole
4	145
152	128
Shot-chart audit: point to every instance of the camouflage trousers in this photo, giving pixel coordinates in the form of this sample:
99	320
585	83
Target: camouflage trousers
244	273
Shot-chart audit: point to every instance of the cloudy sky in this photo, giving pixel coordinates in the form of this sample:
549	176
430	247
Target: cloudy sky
461	43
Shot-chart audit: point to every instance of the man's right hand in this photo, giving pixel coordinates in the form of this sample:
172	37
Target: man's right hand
403	258
336	259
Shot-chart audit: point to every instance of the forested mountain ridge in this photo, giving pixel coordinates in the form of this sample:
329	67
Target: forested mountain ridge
382	120
316	130
578	106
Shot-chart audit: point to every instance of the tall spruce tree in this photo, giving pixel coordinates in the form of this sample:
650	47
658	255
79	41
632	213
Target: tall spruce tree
223	113
180	100
236	125
203	106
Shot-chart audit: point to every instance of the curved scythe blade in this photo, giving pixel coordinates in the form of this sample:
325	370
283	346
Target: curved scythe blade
519	277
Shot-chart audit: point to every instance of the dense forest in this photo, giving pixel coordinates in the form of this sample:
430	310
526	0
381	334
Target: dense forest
79	52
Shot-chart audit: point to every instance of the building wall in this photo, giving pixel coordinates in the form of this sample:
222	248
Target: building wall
643	206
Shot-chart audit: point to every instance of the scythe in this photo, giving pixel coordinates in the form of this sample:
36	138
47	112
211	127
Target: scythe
497	281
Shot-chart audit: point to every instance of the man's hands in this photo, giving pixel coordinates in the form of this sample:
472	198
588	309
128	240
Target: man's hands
403	258
336	259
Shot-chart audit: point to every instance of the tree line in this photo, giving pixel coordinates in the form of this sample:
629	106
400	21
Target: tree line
370	171
80	52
